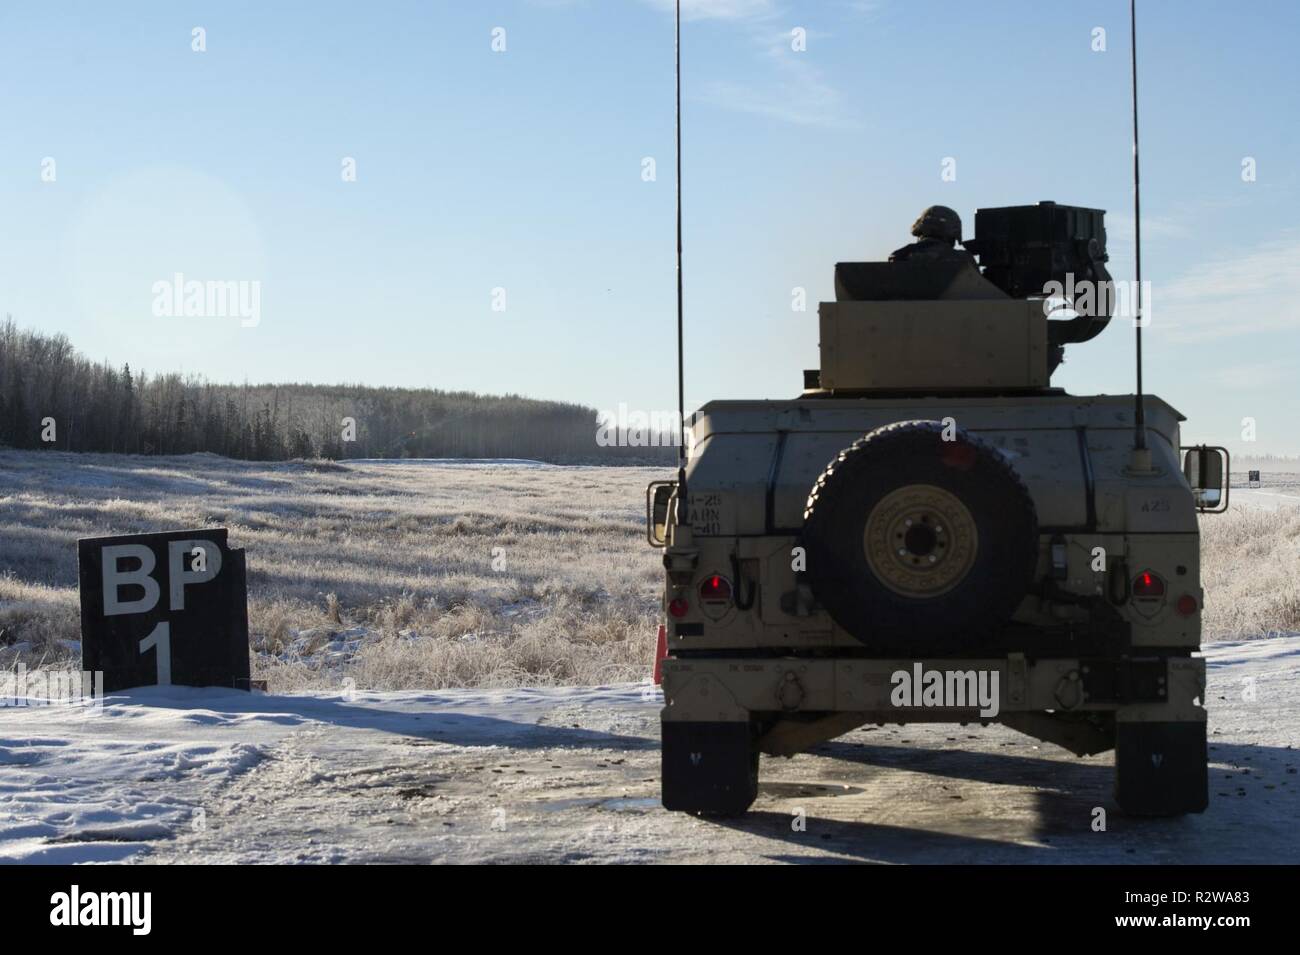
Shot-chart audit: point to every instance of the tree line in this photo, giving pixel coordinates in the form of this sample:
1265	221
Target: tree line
53	397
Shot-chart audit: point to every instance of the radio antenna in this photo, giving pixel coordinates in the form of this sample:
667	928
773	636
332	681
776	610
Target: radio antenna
1139	412
682	506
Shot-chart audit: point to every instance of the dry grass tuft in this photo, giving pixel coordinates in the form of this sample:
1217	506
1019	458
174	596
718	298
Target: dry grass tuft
1250	570
395	574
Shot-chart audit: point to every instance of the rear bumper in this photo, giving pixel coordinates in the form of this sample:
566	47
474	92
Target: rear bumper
972	690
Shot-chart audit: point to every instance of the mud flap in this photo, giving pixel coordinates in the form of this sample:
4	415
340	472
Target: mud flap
1160	768
709	768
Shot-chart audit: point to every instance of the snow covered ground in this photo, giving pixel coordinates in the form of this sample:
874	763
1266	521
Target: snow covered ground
571	774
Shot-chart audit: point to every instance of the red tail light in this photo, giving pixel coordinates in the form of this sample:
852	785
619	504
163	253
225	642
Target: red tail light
1148	584
1186	605
678	607
715	587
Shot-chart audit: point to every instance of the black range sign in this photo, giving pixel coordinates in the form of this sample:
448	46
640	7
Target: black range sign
164	609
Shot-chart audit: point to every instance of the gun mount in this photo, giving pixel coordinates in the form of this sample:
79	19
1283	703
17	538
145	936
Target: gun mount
948	325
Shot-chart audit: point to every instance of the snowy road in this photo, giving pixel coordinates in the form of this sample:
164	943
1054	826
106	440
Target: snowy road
564	775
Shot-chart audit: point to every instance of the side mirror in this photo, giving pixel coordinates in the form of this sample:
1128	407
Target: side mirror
1207	470
658	501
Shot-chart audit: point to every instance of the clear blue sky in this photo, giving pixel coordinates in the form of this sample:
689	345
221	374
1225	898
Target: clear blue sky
523	170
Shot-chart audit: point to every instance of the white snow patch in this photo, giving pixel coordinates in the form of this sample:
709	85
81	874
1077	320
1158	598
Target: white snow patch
212	775
456	462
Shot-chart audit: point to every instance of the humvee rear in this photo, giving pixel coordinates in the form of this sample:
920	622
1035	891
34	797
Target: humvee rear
931	532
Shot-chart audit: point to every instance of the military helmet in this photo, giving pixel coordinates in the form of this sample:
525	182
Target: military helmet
938	222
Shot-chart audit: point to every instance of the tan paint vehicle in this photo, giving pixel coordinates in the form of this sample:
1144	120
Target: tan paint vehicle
931	532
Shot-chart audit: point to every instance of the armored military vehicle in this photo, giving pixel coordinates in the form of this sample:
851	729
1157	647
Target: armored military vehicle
932	532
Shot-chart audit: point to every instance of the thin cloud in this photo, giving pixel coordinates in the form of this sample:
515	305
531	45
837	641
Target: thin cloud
794	90
870	9
1257	291
1180	220
719	9
800	96
1253	376
1119	228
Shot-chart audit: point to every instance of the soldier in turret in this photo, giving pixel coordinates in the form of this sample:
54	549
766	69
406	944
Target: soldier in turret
937	232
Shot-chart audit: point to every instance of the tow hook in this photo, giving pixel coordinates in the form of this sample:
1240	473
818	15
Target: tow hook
1069	690
790	692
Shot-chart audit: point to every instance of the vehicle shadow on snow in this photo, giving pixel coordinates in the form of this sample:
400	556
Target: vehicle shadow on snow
1254	793
453	726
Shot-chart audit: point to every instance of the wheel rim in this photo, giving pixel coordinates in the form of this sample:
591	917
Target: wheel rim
920	541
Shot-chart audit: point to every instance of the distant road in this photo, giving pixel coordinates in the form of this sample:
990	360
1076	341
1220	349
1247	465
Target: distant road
1264	497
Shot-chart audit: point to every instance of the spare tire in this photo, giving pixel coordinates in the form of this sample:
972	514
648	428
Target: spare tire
918	545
